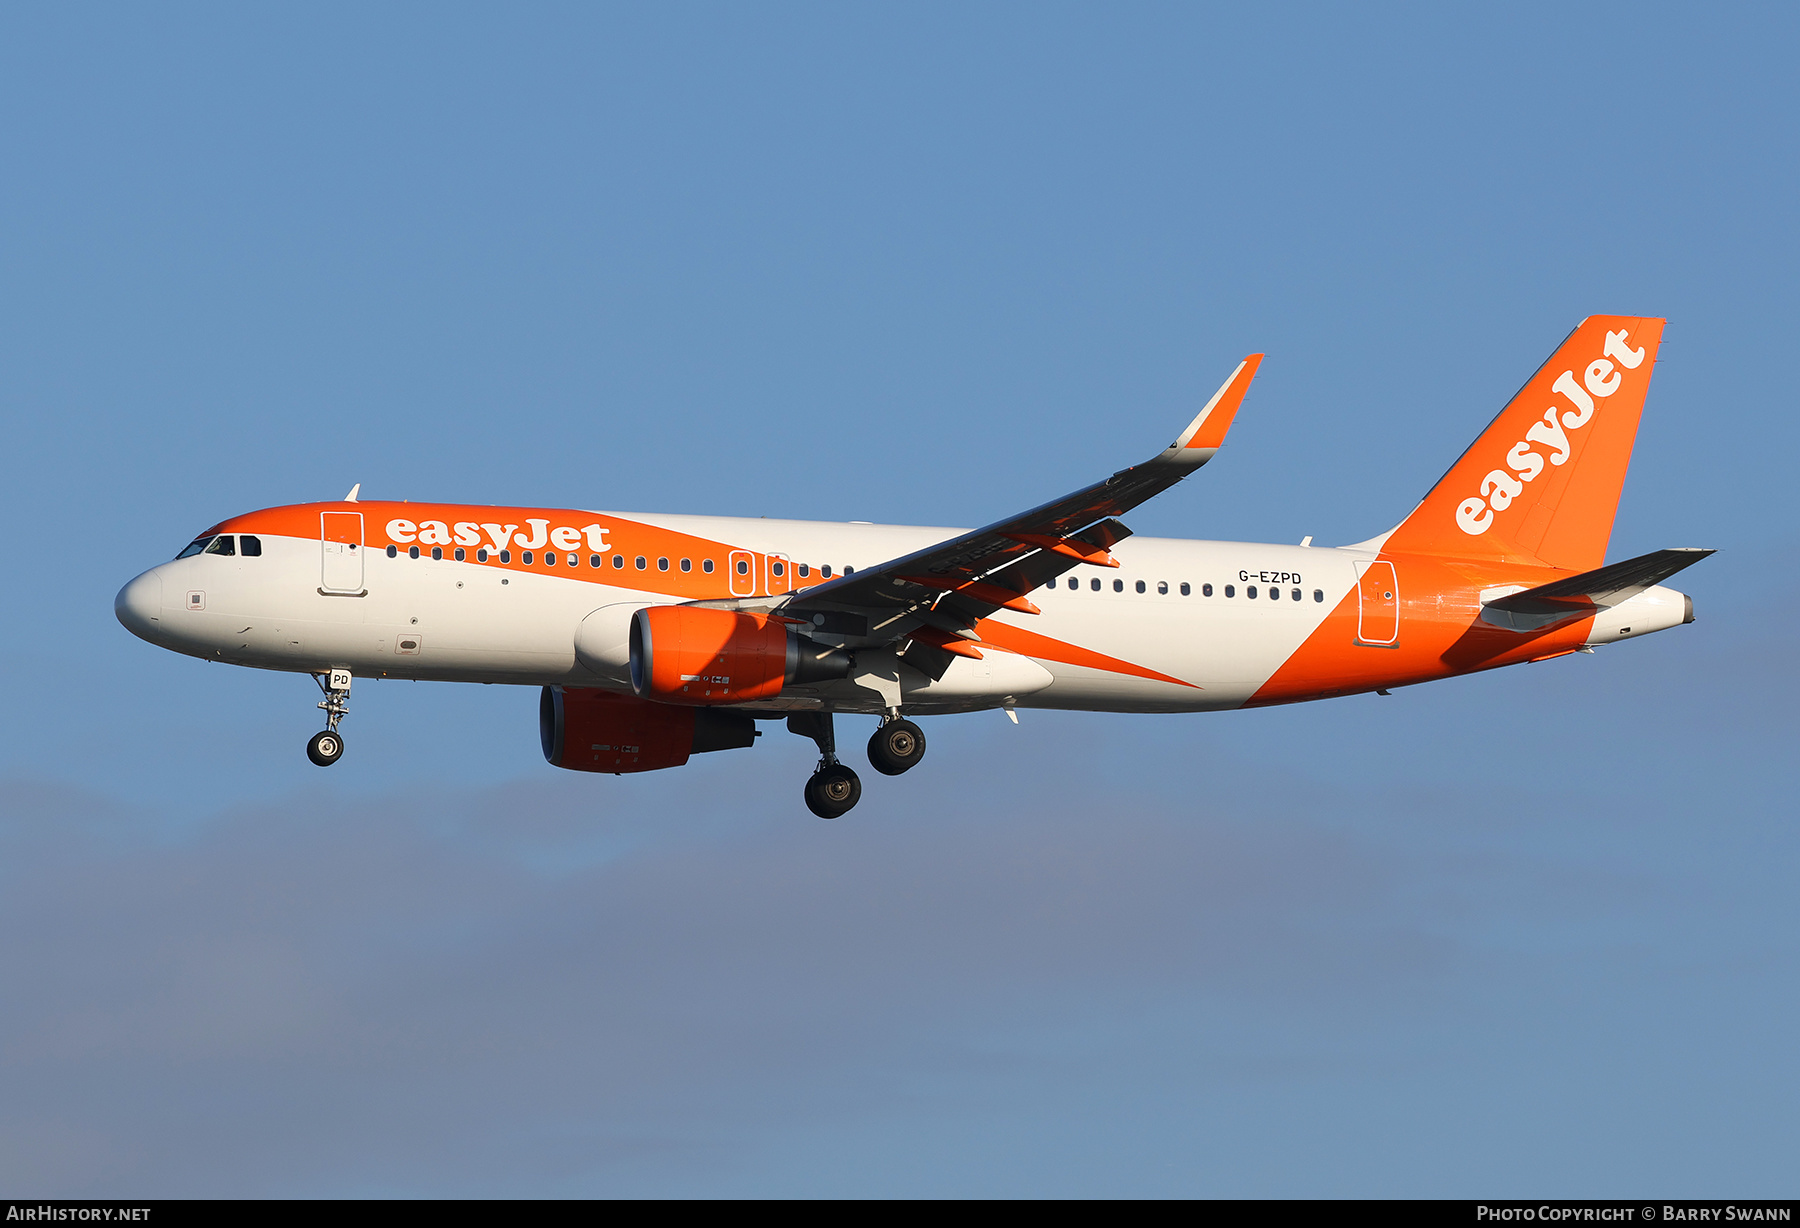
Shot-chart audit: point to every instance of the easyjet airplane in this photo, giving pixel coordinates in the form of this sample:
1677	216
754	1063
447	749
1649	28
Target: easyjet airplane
655	638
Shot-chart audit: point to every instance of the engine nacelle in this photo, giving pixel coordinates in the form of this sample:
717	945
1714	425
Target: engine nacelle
683	654
591	730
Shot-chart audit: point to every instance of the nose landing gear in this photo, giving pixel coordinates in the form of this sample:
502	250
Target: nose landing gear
833	788
327	746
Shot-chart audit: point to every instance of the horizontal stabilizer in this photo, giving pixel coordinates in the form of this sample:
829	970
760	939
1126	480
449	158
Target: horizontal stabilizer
1601	588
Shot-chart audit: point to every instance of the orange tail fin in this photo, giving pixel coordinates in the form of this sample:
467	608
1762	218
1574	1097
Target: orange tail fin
1541	484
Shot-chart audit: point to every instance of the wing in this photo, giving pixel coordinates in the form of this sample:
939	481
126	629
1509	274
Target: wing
933	597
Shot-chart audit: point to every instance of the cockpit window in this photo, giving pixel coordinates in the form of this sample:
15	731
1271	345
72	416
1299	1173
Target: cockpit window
194	547
224	543
251	547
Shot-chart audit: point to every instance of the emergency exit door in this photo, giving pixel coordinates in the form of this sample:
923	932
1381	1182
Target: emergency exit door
341	543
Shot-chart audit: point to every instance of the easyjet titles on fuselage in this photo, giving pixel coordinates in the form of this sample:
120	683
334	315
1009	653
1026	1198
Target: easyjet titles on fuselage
498	536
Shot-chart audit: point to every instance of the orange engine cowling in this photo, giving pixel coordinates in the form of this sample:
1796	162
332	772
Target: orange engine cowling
591	730
690	655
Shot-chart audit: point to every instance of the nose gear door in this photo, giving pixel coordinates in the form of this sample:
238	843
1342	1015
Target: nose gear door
1378	604
341	541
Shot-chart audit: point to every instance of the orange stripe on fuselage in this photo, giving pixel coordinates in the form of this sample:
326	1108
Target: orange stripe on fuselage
1441	634
1031	644
628	539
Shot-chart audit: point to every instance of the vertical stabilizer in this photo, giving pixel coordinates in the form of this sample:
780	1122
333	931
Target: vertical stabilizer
1542	483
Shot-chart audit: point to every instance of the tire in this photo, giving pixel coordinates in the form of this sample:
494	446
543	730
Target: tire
325	748
832	791
896	747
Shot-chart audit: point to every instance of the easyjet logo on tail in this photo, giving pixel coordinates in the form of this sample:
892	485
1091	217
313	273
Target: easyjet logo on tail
1475	515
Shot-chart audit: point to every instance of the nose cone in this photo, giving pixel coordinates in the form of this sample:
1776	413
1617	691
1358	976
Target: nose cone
139	606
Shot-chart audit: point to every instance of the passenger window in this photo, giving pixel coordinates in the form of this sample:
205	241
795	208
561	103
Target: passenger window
1140	586
224	543
461	554
593	560
687	564
506	556
481	555
1205	590
1318	594
849	570
1296	594
393	552
437	552
640	562
825	571
549	558
743	568
1188	592
194	547
1274	594
412	552
1095	585
525	558
574	560
706	566
776	569
1162	588
1118	586
250	546
1230	590
618	562
1250	592
805	570
662	564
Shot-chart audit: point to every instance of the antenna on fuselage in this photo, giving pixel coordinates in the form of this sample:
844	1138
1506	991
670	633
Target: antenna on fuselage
351	497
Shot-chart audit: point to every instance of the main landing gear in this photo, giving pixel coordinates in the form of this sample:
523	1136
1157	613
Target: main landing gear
897	746
833	789
327	746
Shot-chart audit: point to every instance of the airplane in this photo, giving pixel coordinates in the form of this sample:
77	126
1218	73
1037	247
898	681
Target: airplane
657	637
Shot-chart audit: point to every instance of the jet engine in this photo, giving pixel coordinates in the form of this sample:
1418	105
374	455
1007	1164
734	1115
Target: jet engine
683	654
590	730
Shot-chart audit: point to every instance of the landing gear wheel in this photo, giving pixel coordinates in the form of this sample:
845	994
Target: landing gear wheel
832	791
896	747
327	747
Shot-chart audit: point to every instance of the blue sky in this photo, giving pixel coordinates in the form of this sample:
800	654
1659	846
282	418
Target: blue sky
1531	934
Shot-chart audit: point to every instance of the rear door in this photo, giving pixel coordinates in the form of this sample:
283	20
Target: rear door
341	542
1378	604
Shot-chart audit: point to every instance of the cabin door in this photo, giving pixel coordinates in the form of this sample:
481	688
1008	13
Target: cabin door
341	542
1378	604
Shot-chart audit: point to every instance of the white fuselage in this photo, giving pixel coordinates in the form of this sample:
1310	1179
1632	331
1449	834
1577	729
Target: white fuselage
1158	634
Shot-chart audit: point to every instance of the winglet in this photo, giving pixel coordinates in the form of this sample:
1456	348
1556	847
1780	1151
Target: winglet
1206	433
354	491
